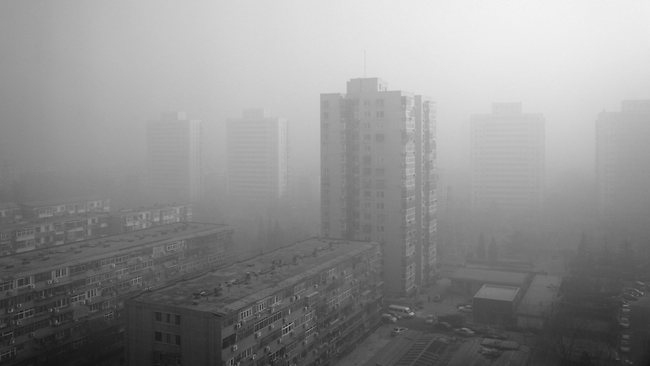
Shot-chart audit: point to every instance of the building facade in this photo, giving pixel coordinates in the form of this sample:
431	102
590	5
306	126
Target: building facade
64	304
127	220
257	165
507	155
174	158
303	304
378	164
40	224
622	156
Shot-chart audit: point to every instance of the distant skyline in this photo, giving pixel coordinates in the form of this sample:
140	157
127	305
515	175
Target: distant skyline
87	76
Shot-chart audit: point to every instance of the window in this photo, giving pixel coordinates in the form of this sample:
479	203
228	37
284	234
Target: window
21	282
287	329
379	137
246	314
157	336
158	316
177	339
177	320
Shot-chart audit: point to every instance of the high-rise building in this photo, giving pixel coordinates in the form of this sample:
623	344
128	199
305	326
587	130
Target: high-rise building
507	161
623	161
378	155
308	303
174	158
257	159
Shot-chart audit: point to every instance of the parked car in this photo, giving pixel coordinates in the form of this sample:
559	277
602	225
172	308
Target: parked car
624	322
633	292
397	331
625	346
388	318
430	319
629	297
465	308
464	332
403	311
489	352
443	326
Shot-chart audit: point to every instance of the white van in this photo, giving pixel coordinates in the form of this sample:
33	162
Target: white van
402	311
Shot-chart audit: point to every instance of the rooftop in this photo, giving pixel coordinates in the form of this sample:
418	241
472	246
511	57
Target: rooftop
540	295
490	276
52	219
257	278
157	206
493	292
39	260
62	201
5	205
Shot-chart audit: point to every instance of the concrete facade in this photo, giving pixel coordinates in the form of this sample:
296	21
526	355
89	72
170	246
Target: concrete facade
257	159
507	155
303	304
57	303
174	159
378	163
622	155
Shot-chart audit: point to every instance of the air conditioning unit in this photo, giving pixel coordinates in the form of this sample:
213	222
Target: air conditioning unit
49	282
31	286
234	347
271	326
19	322
267	349
254	356
12	341
306	308
10	310
258	334
19	306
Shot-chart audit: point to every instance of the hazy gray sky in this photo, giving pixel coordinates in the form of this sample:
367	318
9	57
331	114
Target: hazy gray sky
79	79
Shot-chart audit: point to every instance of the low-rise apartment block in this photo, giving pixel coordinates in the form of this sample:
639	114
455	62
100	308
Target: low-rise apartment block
303	304
33	225
127	220
51	231
58	303
71	206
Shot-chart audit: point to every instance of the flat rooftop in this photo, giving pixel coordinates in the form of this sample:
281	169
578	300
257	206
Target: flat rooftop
494	292
40	260
490	276
53	219
62	201
540	295
266	276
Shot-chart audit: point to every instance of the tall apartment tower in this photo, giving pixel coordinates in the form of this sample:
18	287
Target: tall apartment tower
174	158
507	161
378	154
623	161
257	159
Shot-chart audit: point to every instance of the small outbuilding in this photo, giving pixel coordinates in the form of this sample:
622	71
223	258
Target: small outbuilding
496	304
